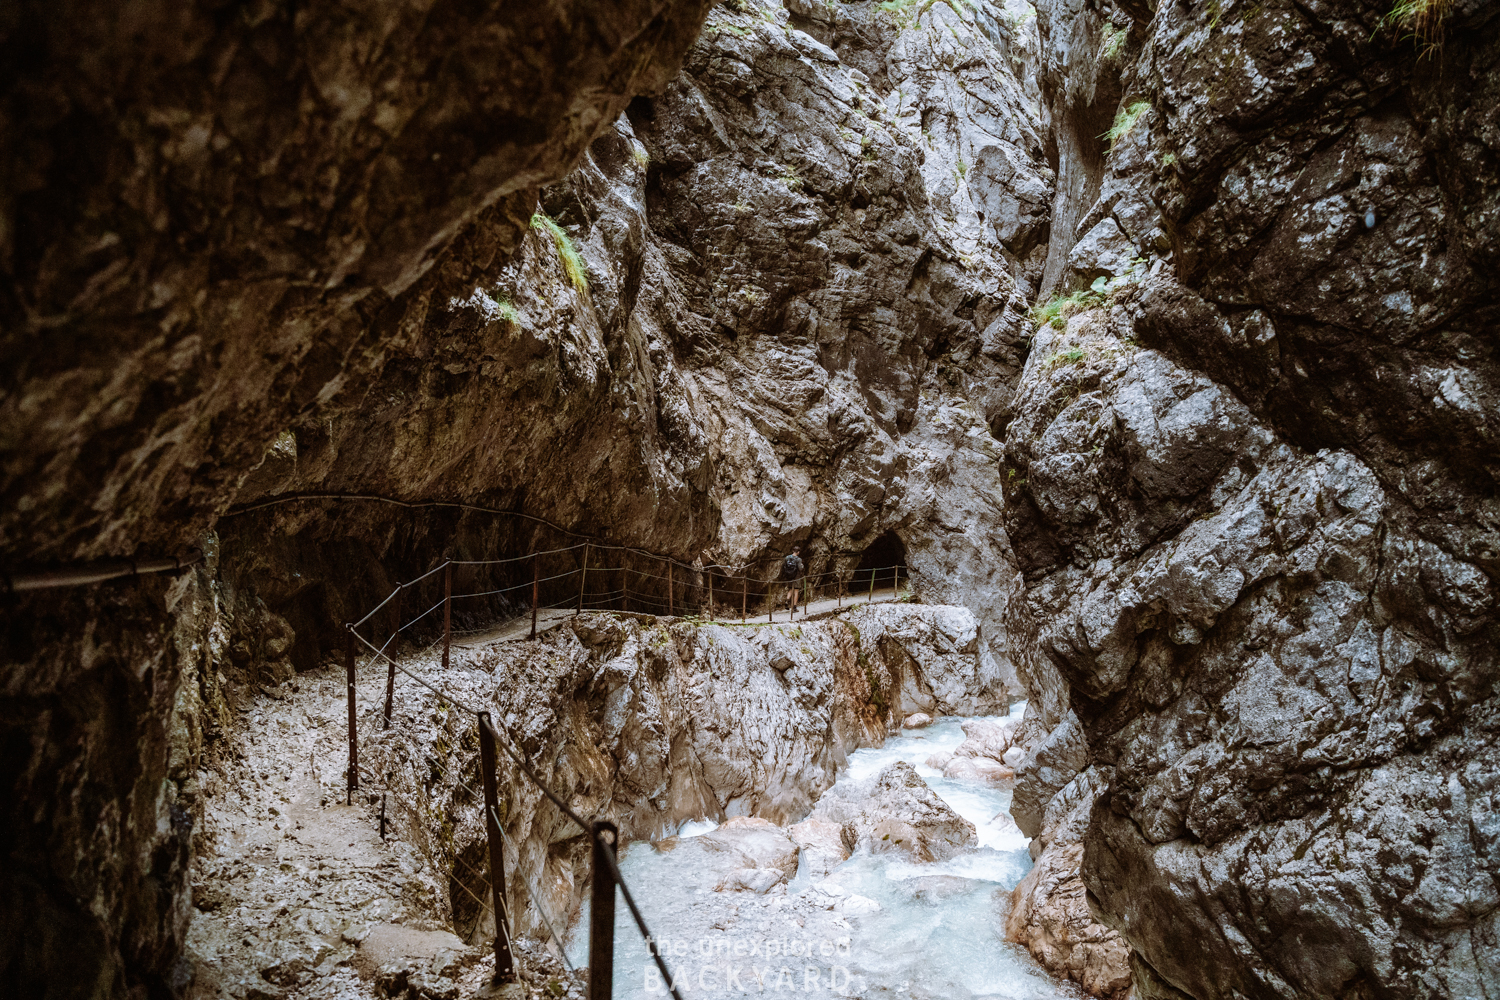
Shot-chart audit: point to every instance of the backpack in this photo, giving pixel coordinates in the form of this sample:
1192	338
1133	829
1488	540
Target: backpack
791	567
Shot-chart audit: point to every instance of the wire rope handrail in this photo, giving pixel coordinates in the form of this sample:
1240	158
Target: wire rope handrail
587	540
515	849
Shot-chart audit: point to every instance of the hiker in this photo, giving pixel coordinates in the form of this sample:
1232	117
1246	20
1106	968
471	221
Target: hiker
791	572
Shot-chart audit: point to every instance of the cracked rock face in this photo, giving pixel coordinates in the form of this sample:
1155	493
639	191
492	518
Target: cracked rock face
1256	482
793	241
1282	652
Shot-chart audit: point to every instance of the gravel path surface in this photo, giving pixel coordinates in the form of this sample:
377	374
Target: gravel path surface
296	894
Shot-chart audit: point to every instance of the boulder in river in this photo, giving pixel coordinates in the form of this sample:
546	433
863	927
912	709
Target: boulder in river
896	810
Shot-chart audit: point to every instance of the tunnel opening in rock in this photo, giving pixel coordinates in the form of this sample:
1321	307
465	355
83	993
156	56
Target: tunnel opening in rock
882	563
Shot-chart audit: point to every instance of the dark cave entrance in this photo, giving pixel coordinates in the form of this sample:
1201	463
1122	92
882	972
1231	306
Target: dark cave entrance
880	563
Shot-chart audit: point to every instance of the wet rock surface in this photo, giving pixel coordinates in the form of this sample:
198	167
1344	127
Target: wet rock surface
895	810
1242	607
1050	913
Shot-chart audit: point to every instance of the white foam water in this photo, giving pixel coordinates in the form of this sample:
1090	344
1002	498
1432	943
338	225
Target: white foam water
879	925
696	828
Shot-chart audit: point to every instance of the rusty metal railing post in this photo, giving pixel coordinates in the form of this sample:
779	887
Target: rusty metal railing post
353	732
771	602
583	581
871	599
710	594
624	589
602	914
535	582
744	597
447	611
670	610
505	970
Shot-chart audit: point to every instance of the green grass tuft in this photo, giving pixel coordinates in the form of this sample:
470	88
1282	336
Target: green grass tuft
1421	20
1102	291
1125	121
1064	358
957	6
909	12
1057	311
572	262
1114	41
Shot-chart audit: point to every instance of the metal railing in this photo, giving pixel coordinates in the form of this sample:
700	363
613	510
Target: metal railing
81	574
806	588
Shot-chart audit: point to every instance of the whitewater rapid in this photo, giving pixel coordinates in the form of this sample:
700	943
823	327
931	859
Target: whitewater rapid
877	925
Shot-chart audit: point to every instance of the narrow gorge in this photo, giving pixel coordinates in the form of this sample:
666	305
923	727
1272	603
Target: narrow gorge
1124	375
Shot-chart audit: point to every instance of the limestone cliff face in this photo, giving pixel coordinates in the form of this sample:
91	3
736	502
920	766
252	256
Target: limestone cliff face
1258	480
797	247
798	321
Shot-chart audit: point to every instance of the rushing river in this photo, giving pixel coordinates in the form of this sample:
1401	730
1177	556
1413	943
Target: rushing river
878	925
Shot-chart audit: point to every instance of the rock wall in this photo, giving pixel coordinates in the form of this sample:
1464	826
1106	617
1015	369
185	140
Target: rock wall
1257	472
102	733
212	223
222	213
790	324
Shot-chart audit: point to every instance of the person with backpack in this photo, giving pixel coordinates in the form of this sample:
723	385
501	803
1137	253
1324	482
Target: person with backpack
791	573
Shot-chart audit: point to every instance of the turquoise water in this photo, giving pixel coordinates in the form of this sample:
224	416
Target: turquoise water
878	926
